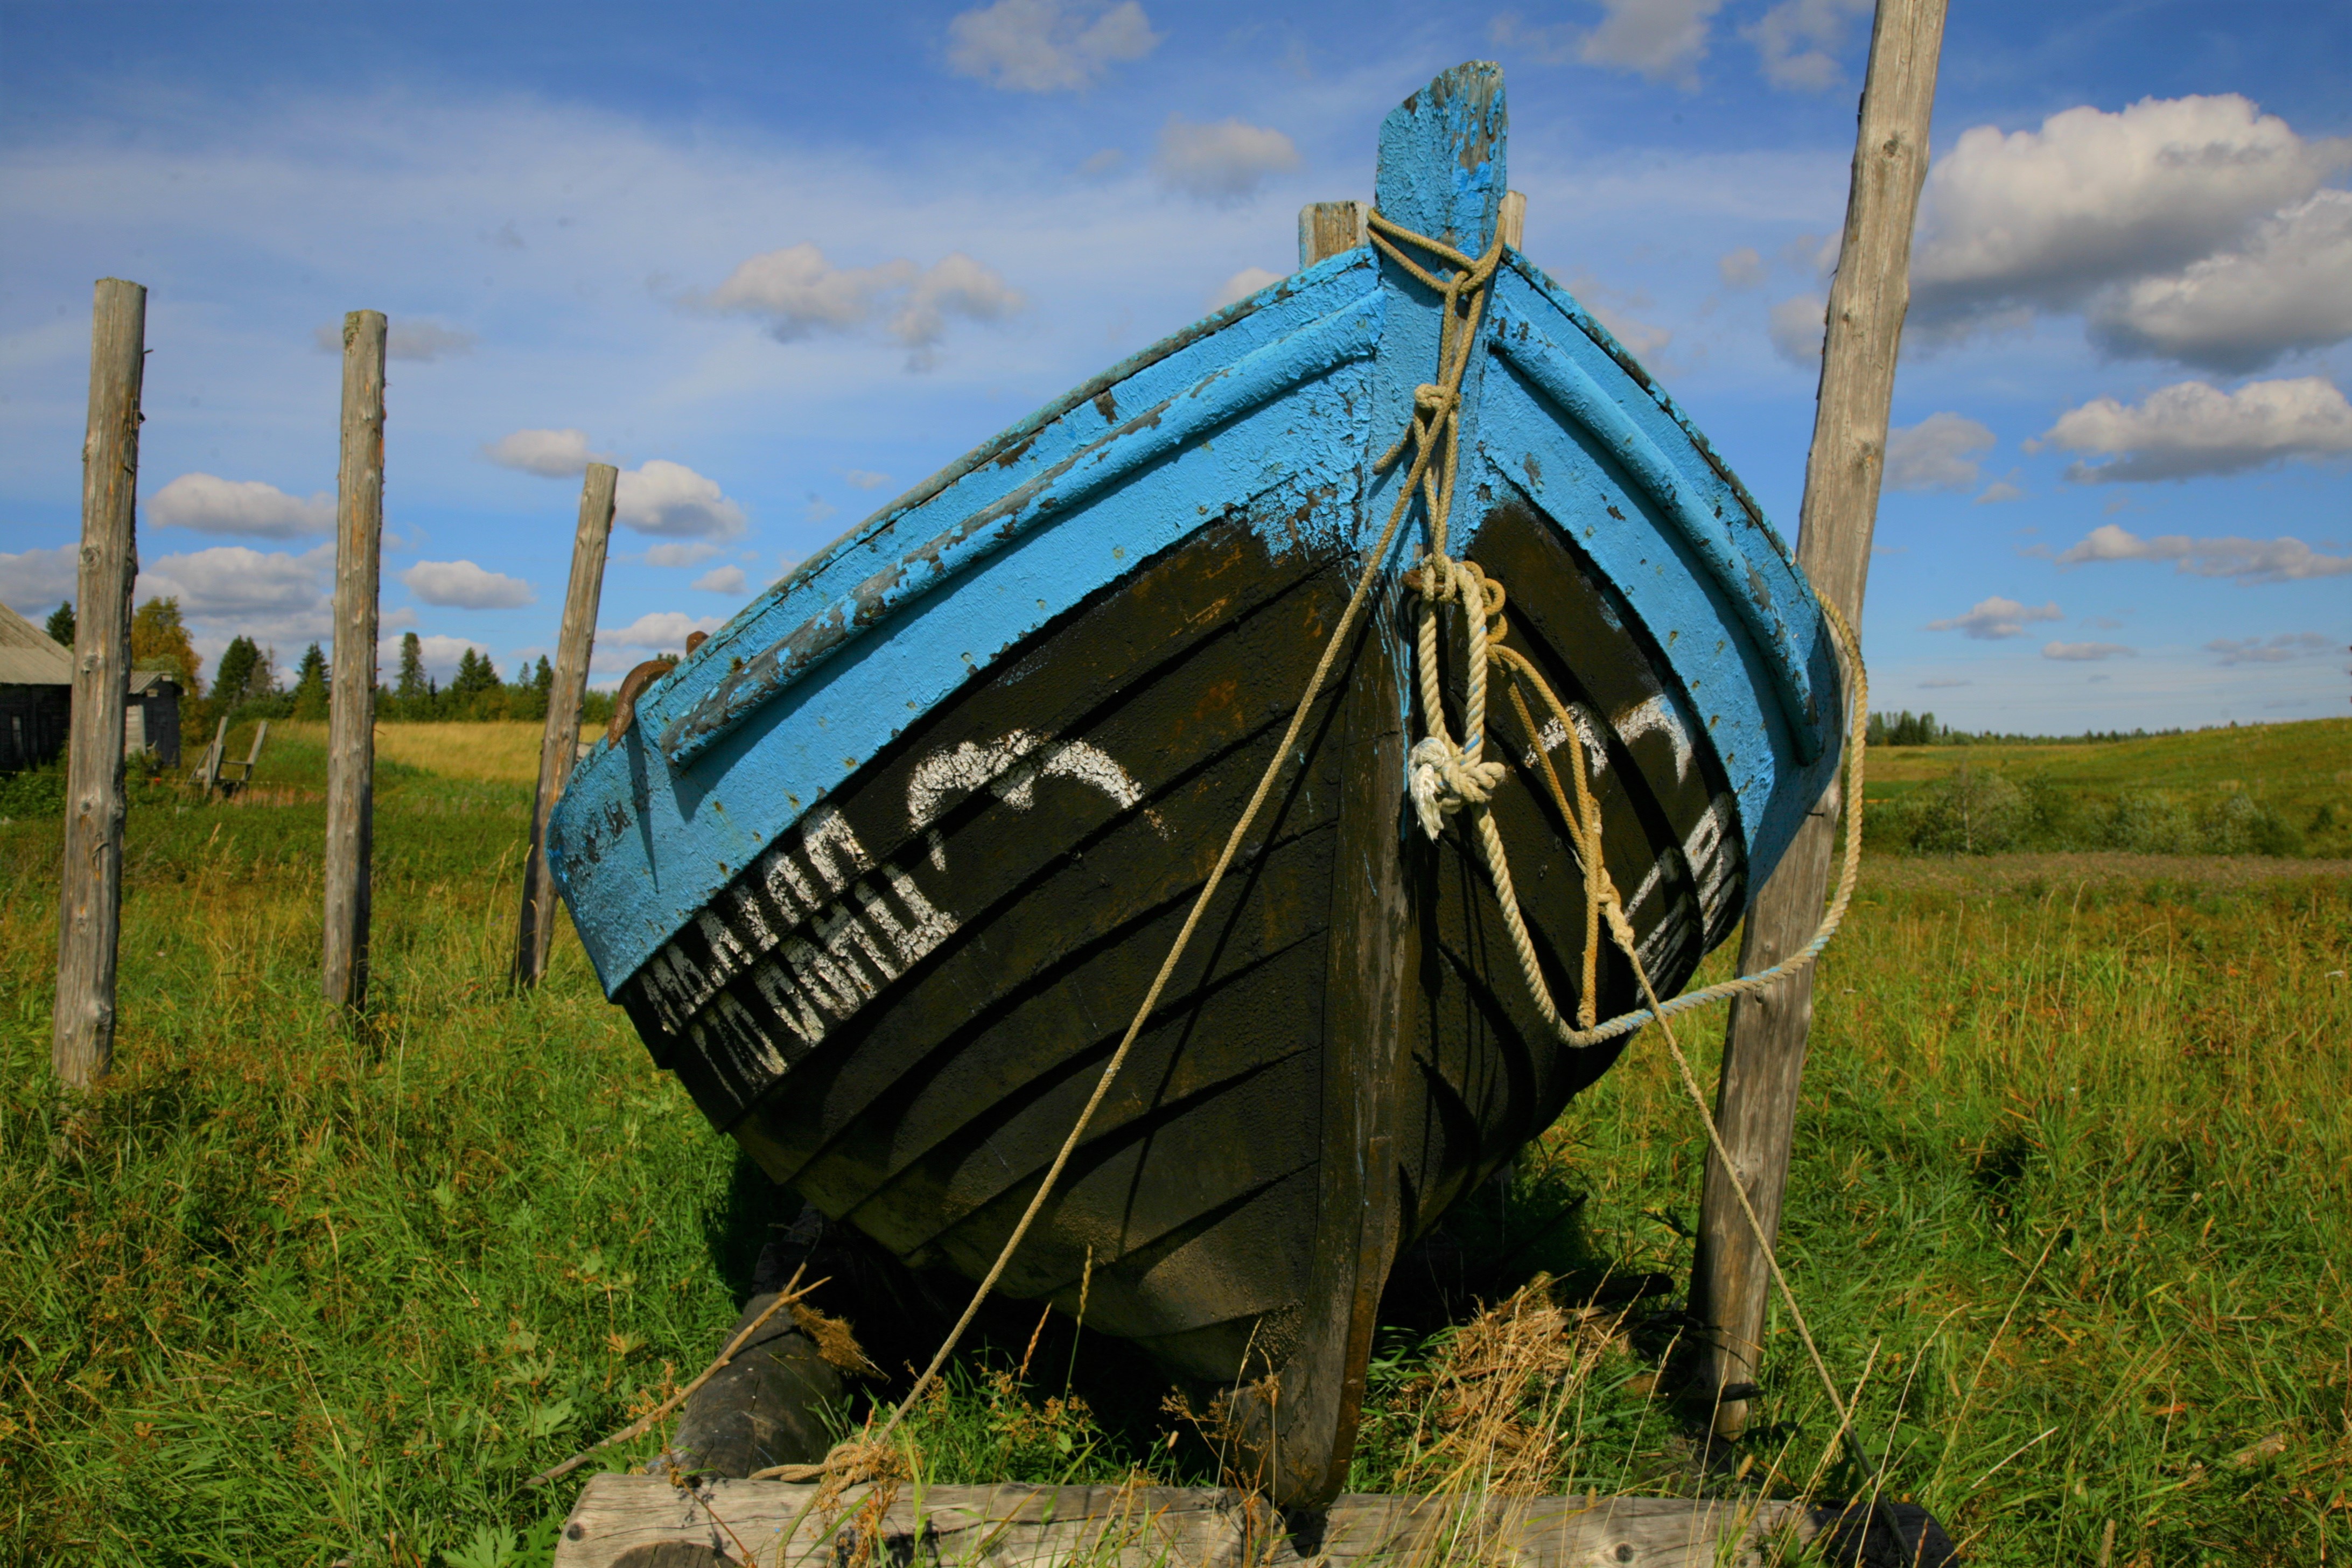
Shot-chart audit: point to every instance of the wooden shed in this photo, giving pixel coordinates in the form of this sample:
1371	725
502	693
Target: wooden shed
35	693
151	716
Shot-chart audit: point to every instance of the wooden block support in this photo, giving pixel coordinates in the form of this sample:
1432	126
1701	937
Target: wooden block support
350	712
1327	228
639	1521
1764	1042
90	903
559	745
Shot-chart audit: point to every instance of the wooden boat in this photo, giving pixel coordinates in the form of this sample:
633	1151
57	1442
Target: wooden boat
882	870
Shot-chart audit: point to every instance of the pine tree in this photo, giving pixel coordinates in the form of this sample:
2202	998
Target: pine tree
232	675
542	679
61	625
311	684
412	683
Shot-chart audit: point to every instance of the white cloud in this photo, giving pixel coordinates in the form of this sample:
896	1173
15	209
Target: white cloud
39	580
1939	453
555	454
668	498
1241	286
2043	219
1614	308
722	580
693	554
2287	286
1997	617
441	655
2191	428
799	292
1097	165
2278	650
663	630
864	478
2086	652
1797	326
462	585
424	341
1661	39
1740	269
1224	161
2250	561
1046	46
2000	491
1797	42
268	595
817	508
211	505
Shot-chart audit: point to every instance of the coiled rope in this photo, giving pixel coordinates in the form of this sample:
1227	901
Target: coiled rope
1445	777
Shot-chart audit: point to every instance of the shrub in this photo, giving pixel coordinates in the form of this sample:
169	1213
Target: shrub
2237	824
2148	821
1967	812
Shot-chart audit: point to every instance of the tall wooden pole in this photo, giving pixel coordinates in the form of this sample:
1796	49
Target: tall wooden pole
1764	1043
351	714
89	905
560	744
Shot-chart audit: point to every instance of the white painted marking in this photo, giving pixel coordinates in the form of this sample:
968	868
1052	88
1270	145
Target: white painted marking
1657	713
1009	768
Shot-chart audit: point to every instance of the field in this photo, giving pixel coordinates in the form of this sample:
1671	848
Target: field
2072	1201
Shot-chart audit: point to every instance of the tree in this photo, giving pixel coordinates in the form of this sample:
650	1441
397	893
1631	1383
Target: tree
232	675
542	679
159	640
311	684
61	625
475	675
412	667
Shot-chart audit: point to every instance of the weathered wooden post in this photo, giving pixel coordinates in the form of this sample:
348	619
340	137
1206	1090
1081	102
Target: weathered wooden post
90	902
559	746
351	713
1764	1042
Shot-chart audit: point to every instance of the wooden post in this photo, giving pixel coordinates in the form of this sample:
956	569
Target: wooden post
1327	228
559	745
90	902
1764	1042
351	713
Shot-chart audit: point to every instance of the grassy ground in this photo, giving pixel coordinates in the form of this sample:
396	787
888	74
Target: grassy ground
2073	1184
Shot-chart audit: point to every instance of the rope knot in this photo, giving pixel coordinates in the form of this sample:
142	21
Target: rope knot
1444	780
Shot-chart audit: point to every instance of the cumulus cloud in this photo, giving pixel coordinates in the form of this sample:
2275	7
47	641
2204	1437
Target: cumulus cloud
1797	42
2086	652
2249	560
39	580
1241	286
556	453
1995	618
722	580
1797	326
420	341
668	498
462	585
211	505
693	554
1939	453
2045	219
2190	428
1740	269
864	478
441	654
799	292
1661	39
2278	650
2287	286
268	595
2000	491
659	629
1224	161
1047	46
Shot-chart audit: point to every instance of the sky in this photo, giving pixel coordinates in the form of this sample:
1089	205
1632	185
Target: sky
780	262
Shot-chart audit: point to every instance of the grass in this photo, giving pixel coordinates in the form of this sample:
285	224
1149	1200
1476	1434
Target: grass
2073	1182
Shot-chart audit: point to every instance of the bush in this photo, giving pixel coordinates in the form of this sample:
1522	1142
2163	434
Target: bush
2148	821
1967	812
2237	824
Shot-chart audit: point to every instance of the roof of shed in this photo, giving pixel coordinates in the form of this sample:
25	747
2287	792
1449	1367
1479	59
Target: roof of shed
28	657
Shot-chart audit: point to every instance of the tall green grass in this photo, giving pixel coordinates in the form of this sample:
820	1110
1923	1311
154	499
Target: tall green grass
2071	1182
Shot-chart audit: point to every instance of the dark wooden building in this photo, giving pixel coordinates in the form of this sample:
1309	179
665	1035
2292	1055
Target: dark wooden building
35	694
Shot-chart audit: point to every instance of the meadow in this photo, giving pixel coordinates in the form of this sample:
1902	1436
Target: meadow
2071	1203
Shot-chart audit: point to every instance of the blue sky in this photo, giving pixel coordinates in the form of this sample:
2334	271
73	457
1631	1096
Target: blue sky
780	262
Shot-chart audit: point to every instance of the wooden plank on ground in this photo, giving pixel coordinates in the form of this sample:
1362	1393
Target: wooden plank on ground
634	1522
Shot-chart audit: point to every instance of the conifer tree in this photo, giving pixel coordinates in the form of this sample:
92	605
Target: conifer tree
61	625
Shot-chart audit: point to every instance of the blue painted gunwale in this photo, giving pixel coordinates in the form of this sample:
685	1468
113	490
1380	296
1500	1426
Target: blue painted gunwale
1289	395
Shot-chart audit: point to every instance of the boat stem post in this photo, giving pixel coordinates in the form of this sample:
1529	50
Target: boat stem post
350	712
559	745
89	910
1764	1042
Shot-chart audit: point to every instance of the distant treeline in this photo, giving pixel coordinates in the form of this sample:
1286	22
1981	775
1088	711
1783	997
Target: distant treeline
1909	728
246	686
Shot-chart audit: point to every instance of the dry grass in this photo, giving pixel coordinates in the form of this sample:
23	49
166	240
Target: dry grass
494	751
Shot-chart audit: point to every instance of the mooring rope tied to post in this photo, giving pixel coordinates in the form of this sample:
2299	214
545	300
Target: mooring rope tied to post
1446	778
